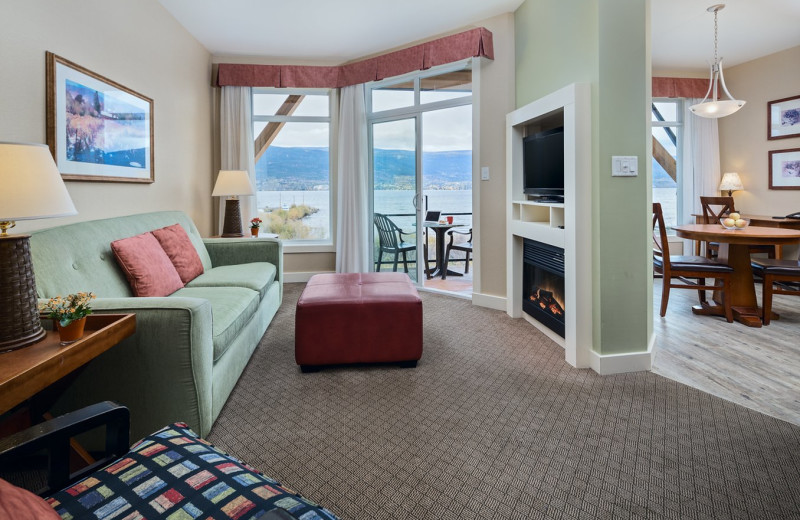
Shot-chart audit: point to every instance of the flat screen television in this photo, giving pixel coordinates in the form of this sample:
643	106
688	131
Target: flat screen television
543	165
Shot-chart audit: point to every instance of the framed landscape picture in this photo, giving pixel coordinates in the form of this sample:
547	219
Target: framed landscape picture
784	169
97	129
783	118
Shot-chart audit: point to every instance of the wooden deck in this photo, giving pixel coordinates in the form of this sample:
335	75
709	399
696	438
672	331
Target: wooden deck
756	367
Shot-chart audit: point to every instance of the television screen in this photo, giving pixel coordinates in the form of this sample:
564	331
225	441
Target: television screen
543	163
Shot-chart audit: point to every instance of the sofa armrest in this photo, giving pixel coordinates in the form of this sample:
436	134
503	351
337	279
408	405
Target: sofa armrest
232	251
162	373
54	435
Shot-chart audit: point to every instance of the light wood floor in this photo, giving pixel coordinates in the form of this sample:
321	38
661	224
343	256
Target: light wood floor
757	368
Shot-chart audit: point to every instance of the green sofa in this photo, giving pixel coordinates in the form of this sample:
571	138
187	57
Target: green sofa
189	348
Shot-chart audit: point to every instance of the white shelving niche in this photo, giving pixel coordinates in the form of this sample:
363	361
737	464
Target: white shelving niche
566	225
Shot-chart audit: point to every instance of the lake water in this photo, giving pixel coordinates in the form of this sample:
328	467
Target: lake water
391	202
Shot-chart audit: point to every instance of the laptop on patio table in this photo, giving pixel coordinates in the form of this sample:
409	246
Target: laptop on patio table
432	217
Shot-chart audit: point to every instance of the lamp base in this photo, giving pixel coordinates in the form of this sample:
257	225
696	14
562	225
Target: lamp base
20	325
232	225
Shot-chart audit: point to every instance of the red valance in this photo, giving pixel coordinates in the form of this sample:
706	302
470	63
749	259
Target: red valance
680	87
472	43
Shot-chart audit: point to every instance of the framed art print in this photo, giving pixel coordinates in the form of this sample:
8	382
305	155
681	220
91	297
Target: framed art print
97	129
783	118
784	169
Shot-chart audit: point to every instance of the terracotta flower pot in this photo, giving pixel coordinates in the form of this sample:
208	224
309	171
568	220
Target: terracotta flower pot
254	231
72	332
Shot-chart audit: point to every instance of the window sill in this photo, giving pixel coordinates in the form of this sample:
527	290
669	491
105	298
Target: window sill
322	247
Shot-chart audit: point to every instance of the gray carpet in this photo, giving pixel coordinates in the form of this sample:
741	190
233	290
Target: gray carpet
494	424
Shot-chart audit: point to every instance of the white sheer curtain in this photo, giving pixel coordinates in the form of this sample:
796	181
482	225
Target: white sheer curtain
236	144
353	222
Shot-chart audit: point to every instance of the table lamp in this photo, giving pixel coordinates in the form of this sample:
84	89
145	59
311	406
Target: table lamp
32	188
730	183
231	184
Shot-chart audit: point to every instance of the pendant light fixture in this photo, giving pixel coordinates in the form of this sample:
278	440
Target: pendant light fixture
716	107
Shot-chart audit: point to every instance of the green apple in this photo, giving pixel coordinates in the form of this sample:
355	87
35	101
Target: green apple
735	216
729	222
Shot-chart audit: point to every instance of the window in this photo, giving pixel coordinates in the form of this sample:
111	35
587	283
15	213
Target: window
667	122
291	129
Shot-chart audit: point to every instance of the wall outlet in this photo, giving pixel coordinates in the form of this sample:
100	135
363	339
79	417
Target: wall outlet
624	166
484	173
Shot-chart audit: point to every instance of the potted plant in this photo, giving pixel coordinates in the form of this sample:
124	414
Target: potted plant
69	313
255	224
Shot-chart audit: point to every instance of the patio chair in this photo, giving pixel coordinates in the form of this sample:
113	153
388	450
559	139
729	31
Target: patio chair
463	246
391	241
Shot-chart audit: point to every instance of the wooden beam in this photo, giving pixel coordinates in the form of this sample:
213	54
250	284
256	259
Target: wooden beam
665	159
271	131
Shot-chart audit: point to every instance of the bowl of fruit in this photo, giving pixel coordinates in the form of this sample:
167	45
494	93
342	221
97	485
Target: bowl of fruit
734	221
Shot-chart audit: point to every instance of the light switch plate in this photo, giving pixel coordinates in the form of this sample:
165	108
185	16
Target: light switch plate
624	166
484	173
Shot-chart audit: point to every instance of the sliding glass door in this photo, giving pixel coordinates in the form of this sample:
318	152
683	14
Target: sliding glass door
394	181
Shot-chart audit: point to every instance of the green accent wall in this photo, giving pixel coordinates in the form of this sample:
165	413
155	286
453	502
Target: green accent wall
607	44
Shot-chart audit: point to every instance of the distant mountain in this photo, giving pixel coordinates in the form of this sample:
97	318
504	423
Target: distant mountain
284	168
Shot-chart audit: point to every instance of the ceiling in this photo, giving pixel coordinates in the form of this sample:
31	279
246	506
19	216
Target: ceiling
342	30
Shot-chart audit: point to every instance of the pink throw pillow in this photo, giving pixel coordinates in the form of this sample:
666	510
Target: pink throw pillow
147	266
20	504
181	251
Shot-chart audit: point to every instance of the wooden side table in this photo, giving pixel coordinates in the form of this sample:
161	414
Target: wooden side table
27	371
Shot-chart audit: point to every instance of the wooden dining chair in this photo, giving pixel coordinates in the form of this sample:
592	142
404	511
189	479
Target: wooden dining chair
780	277
683	268
714	210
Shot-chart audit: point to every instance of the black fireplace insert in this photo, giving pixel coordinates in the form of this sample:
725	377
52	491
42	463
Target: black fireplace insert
543	284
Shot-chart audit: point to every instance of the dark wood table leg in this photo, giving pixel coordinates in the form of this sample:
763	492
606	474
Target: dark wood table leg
743	291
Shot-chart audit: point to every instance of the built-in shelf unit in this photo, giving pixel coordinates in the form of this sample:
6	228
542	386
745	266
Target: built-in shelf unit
567	225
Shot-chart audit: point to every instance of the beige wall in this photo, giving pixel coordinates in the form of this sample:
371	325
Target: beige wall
743	136
136	43
495	101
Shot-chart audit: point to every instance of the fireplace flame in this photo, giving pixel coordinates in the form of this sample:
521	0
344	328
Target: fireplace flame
545	300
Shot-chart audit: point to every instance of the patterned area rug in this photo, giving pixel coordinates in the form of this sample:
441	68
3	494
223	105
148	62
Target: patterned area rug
493	423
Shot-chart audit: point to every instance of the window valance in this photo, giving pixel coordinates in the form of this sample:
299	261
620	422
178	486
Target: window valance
467	44
679	87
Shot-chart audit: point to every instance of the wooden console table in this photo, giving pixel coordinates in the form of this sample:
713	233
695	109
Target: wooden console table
29	370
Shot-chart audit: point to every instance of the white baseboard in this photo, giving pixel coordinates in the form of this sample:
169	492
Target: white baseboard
497	303
620	363
297	277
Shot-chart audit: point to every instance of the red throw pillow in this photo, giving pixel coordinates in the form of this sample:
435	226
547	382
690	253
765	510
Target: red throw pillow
20	504
181	251
147	266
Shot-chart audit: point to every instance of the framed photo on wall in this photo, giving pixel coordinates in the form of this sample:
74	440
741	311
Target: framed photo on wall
784	169
783	118
97	130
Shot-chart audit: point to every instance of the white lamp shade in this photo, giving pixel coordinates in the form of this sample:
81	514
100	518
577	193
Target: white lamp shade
731	182
716	109
30	184
232	182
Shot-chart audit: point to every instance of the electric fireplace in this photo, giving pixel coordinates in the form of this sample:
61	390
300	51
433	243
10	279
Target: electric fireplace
543	284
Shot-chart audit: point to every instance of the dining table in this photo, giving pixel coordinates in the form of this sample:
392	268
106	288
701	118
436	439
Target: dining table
734	250
759	221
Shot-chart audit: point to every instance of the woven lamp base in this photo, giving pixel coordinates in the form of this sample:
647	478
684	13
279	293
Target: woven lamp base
232	225
19	320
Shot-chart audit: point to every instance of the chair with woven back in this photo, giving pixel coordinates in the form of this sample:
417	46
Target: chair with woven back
685	267
780	277
714	210
390	238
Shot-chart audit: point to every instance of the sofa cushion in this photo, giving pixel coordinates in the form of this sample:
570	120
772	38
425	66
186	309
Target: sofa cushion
173	474
231	309
257	276
147	267
180	250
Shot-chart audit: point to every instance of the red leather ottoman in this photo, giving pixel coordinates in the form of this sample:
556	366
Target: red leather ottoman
358	318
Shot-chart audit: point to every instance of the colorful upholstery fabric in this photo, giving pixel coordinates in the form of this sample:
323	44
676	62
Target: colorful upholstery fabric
175	475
